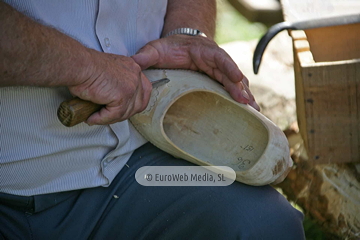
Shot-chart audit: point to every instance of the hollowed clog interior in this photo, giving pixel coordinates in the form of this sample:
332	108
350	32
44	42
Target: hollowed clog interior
215	130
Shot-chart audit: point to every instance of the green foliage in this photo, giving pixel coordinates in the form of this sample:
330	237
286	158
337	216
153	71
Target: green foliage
312	231
232	26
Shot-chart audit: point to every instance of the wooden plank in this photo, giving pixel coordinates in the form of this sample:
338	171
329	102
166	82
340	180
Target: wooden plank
300	100
305	57
302	45
335	43
331	111
298	35
298	10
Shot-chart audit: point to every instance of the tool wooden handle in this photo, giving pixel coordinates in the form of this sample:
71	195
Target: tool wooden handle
75	111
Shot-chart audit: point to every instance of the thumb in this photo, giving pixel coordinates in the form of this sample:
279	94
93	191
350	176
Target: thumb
146	57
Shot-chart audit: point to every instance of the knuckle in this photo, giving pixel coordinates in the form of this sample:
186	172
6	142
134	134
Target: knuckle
132	65
245	80
143	104
117	116
147	87
113	98
135	67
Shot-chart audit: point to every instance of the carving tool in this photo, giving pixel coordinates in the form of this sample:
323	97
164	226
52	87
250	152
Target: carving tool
76	110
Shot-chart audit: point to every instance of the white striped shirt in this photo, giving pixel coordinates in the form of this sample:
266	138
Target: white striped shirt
37	154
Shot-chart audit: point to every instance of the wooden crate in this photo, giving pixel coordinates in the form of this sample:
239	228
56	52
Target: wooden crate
327	81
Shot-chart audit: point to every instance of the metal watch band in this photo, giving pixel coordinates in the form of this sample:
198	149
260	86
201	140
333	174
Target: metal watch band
186	31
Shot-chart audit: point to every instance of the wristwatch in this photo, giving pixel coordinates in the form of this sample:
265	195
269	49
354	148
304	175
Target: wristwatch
186	31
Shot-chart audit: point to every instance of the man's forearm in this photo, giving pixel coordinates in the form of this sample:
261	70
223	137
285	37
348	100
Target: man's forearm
35	55
198	14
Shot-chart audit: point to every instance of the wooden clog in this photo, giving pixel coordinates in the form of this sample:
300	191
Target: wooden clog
192	117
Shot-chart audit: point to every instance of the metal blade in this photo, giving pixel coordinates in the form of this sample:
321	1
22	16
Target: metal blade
160	82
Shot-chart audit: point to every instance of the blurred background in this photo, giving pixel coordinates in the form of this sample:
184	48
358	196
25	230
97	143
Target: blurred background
232	26
273	87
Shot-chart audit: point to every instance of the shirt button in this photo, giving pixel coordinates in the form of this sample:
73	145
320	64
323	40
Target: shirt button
107	42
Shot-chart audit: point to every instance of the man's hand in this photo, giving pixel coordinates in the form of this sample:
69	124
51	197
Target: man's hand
36	55
200	54
118	83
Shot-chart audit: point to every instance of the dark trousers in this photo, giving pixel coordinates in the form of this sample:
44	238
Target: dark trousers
128	210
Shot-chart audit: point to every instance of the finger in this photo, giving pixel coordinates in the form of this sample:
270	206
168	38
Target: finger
146	57
106	115
252	101
207	56
227	66
115	111
147	88
140	98
236	90
245	81
255	105
219	76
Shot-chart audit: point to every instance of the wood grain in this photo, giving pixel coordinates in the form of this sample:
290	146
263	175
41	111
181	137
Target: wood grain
327	80
75	111
295	10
